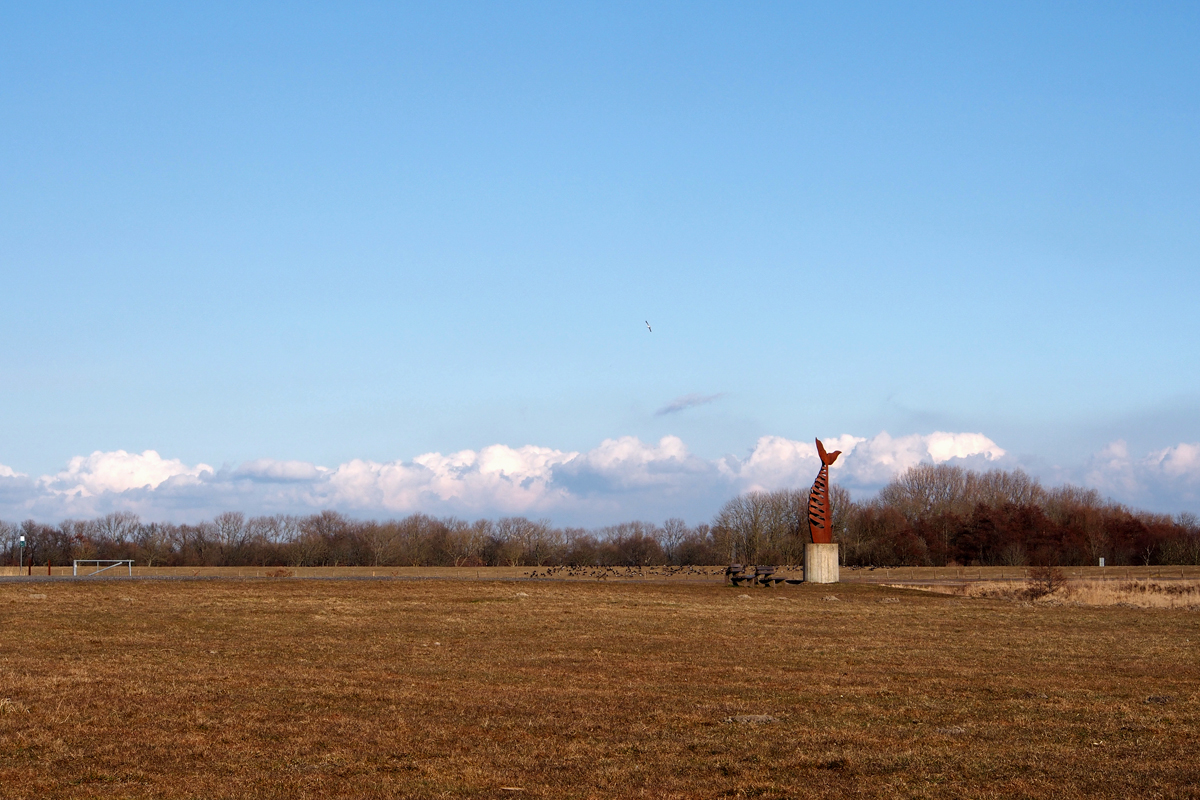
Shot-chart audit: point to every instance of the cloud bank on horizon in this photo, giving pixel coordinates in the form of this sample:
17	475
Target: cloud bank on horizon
622	478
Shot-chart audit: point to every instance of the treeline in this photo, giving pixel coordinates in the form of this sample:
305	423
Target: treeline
333	539
939	515
932	515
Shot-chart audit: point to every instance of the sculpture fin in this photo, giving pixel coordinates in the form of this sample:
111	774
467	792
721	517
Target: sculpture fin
827	458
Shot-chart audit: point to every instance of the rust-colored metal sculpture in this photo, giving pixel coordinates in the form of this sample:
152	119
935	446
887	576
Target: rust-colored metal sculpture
819	523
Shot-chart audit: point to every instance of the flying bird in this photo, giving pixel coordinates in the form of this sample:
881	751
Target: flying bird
648	326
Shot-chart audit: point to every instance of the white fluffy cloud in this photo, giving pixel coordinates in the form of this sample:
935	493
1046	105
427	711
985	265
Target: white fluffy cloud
629	463
865	463
118	471
619	479
525	480
1181	462
271	470
497	478
1162	478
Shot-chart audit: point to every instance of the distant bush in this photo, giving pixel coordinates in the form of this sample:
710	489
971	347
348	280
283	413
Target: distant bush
1045	581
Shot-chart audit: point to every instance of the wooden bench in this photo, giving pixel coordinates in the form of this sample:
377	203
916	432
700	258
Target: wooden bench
767	577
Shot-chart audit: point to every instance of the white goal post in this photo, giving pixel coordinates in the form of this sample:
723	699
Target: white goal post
112	564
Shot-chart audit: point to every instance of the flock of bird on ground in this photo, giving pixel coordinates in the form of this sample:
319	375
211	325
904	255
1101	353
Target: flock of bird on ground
602	573
735	573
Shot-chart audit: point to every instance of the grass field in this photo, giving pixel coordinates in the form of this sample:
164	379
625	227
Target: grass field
307	688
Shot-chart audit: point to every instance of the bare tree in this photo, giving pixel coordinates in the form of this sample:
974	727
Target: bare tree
232	536
671	536
380	540
1083	511
118	527
764	526
153	543
1186	548
927	489
741	521
9	539
633	544
997	487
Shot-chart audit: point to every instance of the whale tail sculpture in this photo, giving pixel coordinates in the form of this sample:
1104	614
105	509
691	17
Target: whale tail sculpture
819	522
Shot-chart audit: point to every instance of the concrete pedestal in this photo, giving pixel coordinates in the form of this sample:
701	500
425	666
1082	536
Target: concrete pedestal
821	563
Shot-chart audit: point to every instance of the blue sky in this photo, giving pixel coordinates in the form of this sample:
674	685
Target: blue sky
314	234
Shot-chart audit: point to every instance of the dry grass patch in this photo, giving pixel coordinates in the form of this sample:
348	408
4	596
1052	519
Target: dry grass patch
1142	594
292	688
1182	595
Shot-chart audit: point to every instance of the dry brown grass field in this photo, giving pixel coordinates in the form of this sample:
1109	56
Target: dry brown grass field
278	687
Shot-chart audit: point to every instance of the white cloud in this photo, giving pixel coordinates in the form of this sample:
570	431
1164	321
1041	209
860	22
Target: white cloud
1167	478
945	446
524	480
542	480
495	478
629	463
270	470
619	479
1179	462
775	462
118	471
865	463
